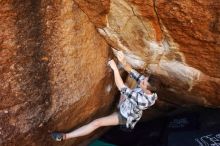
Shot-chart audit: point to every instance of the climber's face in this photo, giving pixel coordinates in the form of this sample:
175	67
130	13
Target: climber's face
144	84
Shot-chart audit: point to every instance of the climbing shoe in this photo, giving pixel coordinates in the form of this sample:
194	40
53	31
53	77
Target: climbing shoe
57	136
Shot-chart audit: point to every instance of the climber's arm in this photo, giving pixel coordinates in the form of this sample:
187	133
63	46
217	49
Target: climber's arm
121	58
133	73
127	67
118	80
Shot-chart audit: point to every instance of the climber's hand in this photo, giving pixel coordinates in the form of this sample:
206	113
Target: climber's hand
112	64
121	57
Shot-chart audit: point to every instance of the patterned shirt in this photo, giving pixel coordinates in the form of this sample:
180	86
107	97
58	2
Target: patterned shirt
136	100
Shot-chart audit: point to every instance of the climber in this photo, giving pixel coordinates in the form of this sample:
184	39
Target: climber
132	103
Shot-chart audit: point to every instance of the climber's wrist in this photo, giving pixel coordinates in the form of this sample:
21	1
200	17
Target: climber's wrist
123	63
115	69
127	67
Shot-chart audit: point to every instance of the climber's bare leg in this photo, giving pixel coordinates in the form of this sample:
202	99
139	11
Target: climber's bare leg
87	129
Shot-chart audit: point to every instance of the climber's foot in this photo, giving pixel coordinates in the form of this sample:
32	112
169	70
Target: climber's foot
57	136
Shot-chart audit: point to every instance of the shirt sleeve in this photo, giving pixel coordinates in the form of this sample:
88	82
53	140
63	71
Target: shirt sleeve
137	76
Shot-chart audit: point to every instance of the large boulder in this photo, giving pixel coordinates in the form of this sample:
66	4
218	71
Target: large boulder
177	41
53	54
53	71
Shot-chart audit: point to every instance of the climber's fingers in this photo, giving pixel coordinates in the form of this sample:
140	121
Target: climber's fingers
120	54
121	57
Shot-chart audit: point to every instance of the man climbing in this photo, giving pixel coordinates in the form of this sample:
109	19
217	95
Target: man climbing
131	104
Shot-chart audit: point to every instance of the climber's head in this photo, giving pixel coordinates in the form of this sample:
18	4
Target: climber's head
148	84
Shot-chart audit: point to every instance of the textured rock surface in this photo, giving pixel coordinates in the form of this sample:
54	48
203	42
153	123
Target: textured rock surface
53	73
177	41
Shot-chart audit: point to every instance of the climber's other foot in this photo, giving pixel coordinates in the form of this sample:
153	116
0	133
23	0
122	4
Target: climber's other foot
57	136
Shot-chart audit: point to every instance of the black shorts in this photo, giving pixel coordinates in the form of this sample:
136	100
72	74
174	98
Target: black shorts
122	119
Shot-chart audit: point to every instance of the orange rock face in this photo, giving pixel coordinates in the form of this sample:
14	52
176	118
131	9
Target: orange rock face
53	71
53	54
177	41
194	26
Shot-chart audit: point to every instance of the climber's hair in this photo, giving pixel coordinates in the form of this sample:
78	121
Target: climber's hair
154	84
152	88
